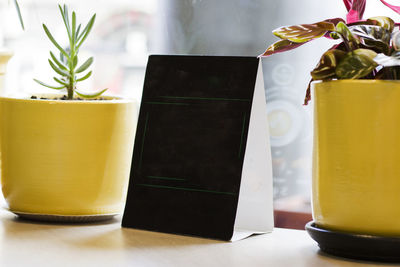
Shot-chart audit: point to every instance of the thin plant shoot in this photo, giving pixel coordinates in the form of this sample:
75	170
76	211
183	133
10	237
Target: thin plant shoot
66	65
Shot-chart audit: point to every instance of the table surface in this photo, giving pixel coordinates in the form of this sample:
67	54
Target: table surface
26	243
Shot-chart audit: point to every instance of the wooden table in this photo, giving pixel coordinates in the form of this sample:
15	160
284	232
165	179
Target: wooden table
24	243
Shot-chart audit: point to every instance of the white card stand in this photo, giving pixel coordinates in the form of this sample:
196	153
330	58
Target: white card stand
254	213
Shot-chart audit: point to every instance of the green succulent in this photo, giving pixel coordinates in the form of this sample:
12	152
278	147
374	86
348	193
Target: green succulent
66	65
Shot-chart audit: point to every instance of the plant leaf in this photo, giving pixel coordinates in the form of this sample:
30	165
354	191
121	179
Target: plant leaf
54	41
326	68
73	33
86	31
65	21
84	77
384	22
60	82
356	64
59	64
304	32
335	21
373	37
49	86
86	95
21	21
58	70
280	46
392	7
348	38
85	65
307	98
388	61
355	9
65	12
77	32
75	61
396	41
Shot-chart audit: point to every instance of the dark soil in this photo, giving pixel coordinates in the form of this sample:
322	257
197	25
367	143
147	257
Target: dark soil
64	97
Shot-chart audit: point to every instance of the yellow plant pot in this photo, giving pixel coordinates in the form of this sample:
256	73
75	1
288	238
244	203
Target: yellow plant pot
66	157
356	157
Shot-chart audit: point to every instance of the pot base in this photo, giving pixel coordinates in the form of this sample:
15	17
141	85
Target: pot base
355	246
63	218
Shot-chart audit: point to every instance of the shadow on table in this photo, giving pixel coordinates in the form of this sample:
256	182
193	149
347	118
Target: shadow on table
131	238
107	235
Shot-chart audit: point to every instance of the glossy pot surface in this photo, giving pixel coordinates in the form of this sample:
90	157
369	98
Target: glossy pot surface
356	156
66	157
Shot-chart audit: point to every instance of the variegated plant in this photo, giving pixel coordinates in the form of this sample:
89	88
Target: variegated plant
368	49
67	64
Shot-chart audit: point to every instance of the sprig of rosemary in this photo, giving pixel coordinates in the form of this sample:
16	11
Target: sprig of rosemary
67	63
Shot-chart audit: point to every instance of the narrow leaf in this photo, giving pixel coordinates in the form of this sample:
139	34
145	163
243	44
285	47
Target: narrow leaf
304	32
85	65
59	64
65	21
21	21
73	33
77	32
58	70
86	31
75	61
86	95
356	64
84	77
63	59
66	14
308	93
348	4
49	86
392	7
54	41
280	46
60	81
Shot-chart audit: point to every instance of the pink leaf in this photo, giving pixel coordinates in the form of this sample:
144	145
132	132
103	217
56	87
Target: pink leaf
356	9
392	7
352	16
348	3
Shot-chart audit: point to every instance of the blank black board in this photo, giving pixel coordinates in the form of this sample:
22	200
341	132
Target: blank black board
190	145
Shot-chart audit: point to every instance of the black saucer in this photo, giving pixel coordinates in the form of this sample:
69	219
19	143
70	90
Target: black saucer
356	246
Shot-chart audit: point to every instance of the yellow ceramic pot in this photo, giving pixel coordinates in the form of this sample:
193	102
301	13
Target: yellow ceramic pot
356	157
66	157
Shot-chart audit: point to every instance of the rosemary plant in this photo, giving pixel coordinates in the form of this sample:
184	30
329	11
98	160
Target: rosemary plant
67	64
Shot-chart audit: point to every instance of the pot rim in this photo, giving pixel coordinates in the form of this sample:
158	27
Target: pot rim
109	99
362	81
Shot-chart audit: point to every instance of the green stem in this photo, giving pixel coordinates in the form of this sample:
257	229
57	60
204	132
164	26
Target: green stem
72	81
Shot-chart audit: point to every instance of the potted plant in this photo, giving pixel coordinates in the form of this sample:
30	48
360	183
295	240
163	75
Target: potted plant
66	156
356	175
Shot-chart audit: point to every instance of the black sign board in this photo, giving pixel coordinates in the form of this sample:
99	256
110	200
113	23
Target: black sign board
190	145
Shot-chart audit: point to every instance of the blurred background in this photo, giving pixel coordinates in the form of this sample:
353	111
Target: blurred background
127	31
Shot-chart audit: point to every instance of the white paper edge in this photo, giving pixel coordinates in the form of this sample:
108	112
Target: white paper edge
255	206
